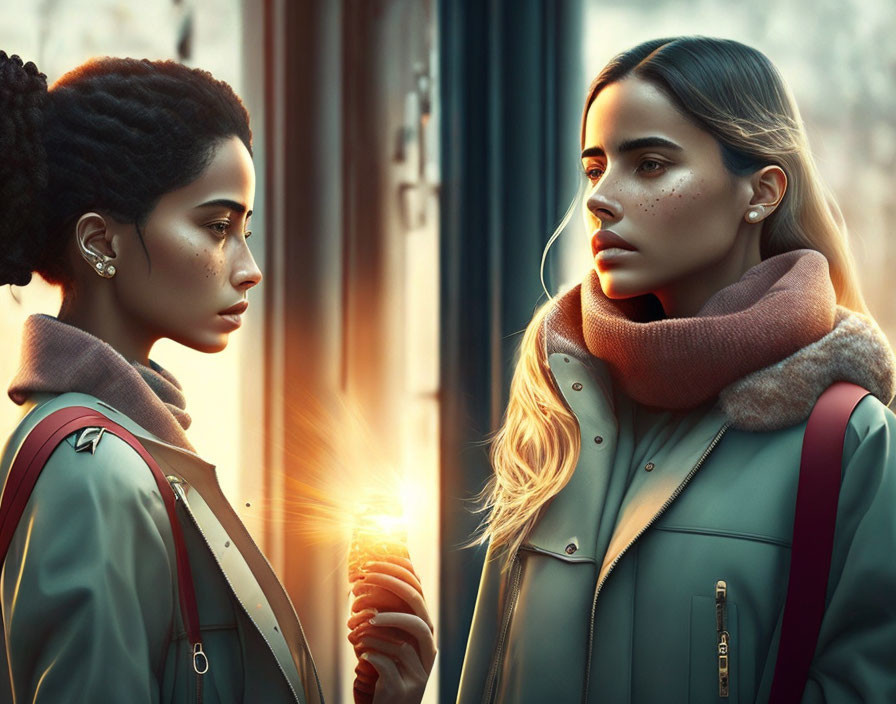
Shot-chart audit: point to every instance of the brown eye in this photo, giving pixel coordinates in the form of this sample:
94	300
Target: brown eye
225	225
651	166
594	173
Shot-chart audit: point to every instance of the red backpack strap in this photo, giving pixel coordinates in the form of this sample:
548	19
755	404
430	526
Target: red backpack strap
28	464
813	538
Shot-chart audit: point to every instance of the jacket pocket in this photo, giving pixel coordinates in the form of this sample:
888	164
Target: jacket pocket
714	647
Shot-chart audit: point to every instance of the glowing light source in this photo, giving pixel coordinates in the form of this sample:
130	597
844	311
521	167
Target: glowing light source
379	530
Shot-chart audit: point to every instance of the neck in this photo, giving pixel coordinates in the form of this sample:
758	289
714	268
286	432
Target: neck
684	298
99	317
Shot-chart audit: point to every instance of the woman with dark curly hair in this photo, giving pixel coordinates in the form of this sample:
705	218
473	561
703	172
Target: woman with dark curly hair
129	184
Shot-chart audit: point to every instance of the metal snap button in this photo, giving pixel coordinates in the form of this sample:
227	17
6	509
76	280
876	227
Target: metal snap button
577	387
649	466
598	439
571	548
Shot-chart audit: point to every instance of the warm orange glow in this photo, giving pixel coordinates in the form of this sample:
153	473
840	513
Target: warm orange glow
379	529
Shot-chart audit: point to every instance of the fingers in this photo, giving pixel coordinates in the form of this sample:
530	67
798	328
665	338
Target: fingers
394	570
374	597
414	626
403	652
359	617
391	634
384	665
402	561
400	589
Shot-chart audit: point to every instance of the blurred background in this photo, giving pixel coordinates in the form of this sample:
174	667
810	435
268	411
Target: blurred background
412	159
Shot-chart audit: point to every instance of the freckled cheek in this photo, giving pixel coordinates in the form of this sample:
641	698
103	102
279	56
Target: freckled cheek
671	200
208	264
191	263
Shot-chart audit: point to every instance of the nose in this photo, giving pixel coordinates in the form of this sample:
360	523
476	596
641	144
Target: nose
246	273
603	206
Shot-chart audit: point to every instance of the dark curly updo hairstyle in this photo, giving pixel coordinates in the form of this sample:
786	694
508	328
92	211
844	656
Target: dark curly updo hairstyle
113	135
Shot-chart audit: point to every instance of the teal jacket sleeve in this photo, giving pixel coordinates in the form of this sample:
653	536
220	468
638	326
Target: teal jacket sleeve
855	659
88	586
484	629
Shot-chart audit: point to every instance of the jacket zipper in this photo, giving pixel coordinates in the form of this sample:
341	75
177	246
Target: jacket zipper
515	573
723	636
600	584
179	491
198	687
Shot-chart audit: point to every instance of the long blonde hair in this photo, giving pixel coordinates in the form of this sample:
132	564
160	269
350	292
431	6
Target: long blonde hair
736	94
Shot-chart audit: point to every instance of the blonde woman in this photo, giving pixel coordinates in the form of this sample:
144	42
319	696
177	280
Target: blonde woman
646	471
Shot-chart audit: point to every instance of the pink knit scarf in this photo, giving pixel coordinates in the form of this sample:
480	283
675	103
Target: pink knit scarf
57	357
777	307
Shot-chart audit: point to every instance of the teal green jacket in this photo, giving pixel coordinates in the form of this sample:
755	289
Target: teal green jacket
612	597
89	590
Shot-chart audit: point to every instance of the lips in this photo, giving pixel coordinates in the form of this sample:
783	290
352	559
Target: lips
236	309
606	239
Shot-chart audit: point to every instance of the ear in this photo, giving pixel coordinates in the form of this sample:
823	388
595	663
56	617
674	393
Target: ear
94	236
769	185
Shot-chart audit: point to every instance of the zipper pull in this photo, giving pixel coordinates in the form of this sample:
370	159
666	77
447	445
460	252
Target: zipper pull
723	644
721	595
177	484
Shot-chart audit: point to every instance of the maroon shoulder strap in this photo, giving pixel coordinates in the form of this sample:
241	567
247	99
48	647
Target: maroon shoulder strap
28	464
813	538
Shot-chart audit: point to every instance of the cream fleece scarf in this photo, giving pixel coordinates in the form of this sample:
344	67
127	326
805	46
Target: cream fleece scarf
764	347
57	357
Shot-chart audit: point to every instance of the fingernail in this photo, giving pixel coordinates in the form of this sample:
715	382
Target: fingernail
372	620
364	656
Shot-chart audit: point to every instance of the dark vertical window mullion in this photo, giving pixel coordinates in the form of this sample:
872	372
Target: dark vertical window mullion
495	207
505	70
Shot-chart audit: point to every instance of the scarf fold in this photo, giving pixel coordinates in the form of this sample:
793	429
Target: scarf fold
57	357
778	307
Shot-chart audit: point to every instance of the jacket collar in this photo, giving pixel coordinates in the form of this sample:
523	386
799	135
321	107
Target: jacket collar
784	393
59	358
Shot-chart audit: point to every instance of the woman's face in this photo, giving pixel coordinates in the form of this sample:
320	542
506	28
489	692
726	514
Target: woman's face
199	263
658	182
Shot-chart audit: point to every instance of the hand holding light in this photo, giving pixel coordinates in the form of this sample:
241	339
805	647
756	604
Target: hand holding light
391	630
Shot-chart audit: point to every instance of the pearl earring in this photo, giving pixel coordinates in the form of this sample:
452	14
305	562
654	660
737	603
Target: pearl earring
753	215
104	269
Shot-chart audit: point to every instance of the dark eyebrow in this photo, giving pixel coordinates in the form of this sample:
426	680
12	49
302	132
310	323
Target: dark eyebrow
633	144
226	203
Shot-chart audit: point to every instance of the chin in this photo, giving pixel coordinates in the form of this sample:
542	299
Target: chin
210	344
615	286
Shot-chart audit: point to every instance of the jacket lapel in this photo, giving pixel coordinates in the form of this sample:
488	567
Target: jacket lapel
568	526
248	571
660	477
582	521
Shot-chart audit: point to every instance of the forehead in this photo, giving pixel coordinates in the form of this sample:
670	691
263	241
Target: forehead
230	174
633	108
